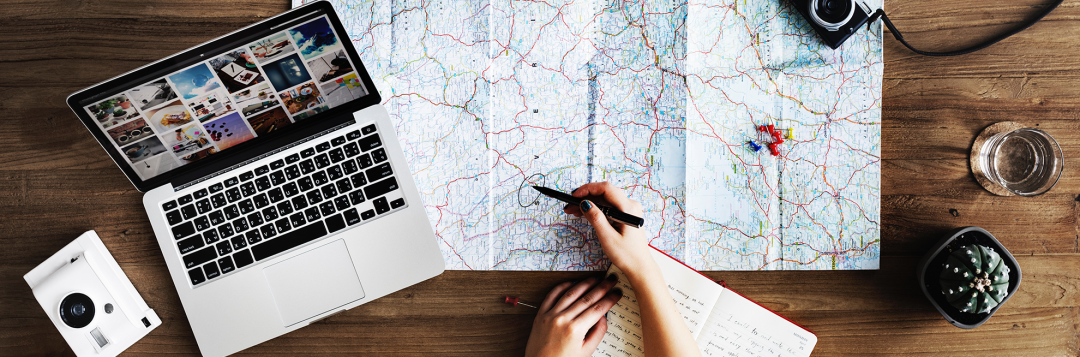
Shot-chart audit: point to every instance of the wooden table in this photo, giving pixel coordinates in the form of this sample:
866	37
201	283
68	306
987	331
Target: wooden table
56	182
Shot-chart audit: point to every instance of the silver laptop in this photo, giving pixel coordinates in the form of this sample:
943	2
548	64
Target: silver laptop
273	178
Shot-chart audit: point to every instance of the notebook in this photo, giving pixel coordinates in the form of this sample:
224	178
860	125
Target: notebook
723	322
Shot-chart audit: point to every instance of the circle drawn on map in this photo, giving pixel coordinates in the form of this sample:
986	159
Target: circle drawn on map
526	195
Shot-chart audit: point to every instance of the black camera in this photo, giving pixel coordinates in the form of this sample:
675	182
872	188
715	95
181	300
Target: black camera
834	20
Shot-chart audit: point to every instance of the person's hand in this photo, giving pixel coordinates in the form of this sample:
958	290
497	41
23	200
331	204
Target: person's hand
571	321
624	245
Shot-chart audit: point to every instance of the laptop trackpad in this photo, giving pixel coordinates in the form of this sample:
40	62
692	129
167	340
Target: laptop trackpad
312	283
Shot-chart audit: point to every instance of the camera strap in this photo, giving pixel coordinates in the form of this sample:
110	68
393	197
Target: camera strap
900	37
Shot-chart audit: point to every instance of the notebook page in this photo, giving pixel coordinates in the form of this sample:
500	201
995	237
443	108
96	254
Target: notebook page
694	296
740	327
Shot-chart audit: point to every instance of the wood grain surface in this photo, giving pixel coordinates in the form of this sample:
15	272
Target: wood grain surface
56	182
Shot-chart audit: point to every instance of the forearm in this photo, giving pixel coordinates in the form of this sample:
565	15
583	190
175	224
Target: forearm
662	326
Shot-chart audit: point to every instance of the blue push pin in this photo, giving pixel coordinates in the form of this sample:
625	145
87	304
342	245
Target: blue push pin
754	146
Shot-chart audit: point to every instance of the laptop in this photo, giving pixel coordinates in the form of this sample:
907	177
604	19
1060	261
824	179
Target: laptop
274	180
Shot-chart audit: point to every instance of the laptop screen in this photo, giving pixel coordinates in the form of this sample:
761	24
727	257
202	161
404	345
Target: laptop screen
239	94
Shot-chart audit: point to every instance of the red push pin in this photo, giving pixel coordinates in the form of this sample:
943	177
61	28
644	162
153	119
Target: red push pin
514	301
773	149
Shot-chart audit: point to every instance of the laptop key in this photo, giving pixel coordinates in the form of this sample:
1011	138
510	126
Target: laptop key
350	167
351	149
232	182
299	202
217	187
223	248
216	217
365	161
284	208
338	141
185	199
246	206
319	178
231	212
378	155
261	170
336	155
211	270
262	183
185	230
277	164
314	196
357	197
329	191
188	212
341	203
380	188
277	178
306	184
322	161
268	231
306	153
398	203
381	206
297	220
292	172
369	214
199	257
288	241
327	208
282	225
358	180
247	189
226	265
368	129
335	223
201	224
343	186
322	147
190	245
335	172
379	172
203	205
253	236
225	230
351	216
210	236
292	158
307	166
270	213
242	258
290	189
312	214
196	276
239	242
370	142
218	200
247	176
240	225
275	194
168	206
200	193
353	135
261	200
173	217
233	194
255	219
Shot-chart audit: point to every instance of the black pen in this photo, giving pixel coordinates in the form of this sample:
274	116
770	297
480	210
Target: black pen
610	212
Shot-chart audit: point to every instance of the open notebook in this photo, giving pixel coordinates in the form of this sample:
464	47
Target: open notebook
723	322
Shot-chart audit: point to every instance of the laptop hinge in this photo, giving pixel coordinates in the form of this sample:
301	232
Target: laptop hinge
260	157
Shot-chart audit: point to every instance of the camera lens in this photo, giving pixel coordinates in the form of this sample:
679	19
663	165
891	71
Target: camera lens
831	14
77	310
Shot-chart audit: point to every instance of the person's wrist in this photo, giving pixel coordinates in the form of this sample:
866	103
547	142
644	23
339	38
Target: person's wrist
642	269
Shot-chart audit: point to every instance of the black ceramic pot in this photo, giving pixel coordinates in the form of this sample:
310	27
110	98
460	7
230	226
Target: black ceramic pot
930	266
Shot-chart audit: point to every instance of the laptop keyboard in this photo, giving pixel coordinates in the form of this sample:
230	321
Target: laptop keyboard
239	220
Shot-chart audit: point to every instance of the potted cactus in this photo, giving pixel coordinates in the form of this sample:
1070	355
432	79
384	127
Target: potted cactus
968	275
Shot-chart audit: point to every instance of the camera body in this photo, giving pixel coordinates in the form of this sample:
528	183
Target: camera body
834	20
90	300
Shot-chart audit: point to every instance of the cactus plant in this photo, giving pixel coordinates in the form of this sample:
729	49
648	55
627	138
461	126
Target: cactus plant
974	279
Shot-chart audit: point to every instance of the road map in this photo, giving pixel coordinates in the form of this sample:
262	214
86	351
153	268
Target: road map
660	98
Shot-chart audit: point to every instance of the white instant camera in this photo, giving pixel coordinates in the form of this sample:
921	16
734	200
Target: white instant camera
90	300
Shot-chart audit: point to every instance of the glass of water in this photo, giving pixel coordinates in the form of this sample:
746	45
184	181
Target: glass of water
1027	162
